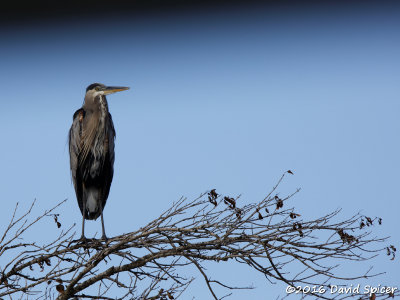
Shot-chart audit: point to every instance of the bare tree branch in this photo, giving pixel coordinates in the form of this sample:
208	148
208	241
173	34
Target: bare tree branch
150	263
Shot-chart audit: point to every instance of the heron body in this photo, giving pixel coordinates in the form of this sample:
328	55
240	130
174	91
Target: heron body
91	149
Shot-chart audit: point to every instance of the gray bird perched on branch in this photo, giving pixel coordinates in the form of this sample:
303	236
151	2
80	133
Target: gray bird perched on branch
91	150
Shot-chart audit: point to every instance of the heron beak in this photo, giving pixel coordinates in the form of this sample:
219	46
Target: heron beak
113	89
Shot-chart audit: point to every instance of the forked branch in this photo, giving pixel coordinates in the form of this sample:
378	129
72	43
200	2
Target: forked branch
269	236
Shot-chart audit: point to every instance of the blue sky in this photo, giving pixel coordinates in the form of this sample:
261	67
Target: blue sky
226	99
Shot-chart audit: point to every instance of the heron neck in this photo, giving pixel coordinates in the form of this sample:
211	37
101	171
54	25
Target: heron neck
96	105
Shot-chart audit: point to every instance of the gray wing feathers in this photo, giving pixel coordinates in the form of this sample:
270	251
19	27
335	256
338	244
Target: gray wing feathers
111	139
74	138
74	145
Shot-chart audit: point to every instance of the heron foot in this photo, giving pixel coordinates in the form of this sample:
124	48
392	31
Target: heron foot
83	240
104	238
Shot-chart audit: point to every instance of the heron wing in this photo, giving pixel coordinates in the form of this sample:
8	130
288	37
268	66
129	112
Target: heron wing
108	167
75	148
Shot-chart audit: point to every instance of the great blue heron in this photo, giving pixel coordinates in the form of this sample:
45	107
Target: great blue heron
91	150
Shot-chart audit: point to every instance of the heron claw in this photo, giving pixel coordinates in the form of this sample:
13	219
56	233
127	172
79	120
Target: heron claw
83	240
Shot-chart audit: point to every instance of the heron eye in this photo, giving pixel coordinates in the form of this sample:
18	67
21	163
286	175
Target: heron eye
97	88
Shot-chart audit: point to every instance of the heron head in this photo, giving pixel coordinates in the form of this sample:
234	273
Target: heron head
96	89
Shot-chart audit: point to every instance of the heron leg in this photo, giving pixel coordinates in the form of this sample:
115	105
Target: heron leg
103	237
83	221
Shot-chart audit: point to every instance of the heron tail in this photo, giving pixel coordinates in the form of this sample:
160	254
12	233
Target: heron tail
93	204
